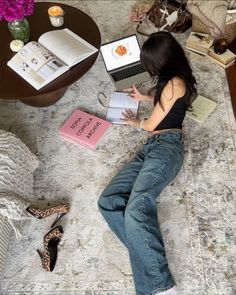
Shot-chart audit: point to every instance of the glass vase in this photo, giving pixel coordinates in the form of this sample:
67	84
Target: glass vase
19	29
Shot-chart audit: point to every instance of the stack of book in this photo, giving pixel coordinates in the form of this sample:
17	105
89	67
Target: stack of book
199	43
224	60
203	44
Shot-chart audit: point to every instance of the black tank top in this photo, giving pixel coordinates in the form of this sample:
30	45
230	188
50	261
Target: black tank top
175	117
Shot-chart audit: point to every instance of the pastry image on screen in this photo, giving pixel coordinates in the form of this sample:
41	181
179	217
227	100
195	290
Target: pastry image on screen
121	50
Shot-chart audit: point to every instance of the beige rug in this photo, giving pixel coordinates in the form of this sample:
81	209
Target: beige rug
197	211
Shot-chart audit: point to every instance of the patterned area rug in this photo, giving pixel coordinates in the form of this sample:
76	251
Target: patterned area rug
196	212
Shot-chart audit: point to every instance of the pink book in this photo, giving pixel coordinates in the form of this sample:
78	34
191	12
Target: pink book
84	128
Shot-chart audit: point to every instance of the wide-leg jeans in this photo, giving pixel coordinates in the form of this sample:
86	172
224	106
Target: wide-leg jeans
128	205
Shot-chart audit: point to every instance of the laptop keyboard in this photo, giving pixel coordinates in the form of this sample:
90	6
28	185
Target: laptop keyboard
128	72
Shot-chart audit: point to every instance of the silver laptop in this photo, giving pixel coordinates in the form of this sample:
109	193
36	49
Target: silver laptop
122	61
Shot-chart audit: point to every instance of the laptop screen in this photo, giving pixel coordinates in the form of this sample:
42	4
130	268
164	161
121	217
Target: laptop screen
121	52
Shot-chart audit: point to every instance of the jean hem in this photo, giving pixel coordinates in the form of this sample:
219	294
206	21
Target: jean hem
159	290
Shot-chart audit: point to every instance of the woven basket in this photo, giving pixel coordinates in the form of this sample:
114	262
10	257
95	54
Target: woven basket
230	26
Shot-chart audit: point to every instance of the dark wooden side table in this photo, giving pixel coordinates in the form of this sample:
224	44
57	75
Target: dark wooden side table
13	87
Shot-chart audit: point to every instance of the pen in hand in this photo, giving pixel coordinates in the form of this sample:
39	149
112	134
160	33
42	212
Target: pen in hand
134	93
130	91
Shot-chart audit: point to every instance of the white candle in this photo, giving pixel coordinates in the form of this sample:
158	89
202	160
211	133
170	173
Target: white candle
16	45
56	16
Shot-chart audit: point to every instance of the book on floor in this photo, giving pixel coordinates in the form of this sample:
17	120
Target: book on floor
199	42
119	102
201	108
84	129
224	66
196	51
55	53
225	58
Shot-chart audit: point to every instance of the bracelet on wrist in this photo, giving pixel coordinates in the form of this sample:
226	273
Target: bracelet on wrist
141	124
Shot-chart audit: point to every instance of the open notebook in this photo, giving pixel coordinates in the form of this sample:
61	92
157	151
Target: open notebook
119	102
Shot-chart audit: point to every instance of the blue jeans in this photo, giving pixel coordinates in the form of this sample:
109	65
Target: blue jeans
128	205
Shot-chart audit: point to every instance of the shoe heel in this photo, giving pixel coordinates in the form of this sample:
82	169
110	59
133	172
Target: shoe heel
59	216
51	241
40	253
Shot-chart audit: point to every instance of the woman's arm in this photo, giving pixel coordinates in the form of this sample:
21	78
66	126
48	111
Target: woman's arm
174	89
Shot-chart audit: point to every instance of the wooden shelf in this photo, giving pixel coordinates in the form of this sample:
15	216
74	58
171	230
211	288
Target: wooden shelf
231	78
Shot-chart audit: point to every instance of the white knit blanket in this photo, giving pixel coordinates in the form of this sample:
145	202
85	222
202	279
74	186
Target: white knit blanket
17	165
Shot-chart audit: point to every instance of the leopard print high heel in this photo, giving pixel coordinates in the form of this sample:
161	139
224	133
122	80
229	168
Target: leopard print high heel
60	210
51	241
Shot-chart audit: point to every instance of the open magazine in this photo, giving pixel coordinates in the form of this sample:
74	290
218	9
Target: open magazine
55	53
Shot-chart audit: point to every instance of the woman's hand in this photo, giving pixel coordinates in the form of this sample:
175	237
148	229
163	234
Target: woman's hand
129	118
135	94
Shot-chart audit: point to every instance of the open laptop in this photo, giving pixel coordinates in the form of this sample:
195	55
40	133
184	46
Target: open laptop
122	61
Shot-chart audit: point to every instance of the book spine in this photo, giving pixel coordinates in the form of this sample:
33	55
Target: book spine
196	51
77	141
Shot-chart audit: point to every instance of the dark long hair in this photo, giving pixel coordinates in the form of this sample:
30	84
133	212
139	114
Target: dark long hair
164	58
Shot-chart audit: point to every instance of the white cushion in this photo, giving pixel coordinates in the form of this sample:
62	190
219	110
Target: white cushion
17	165
5	232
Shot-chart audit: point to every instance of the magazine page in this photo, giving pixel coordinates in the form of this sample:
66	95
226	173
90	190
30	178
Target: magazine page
37	65
68	46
